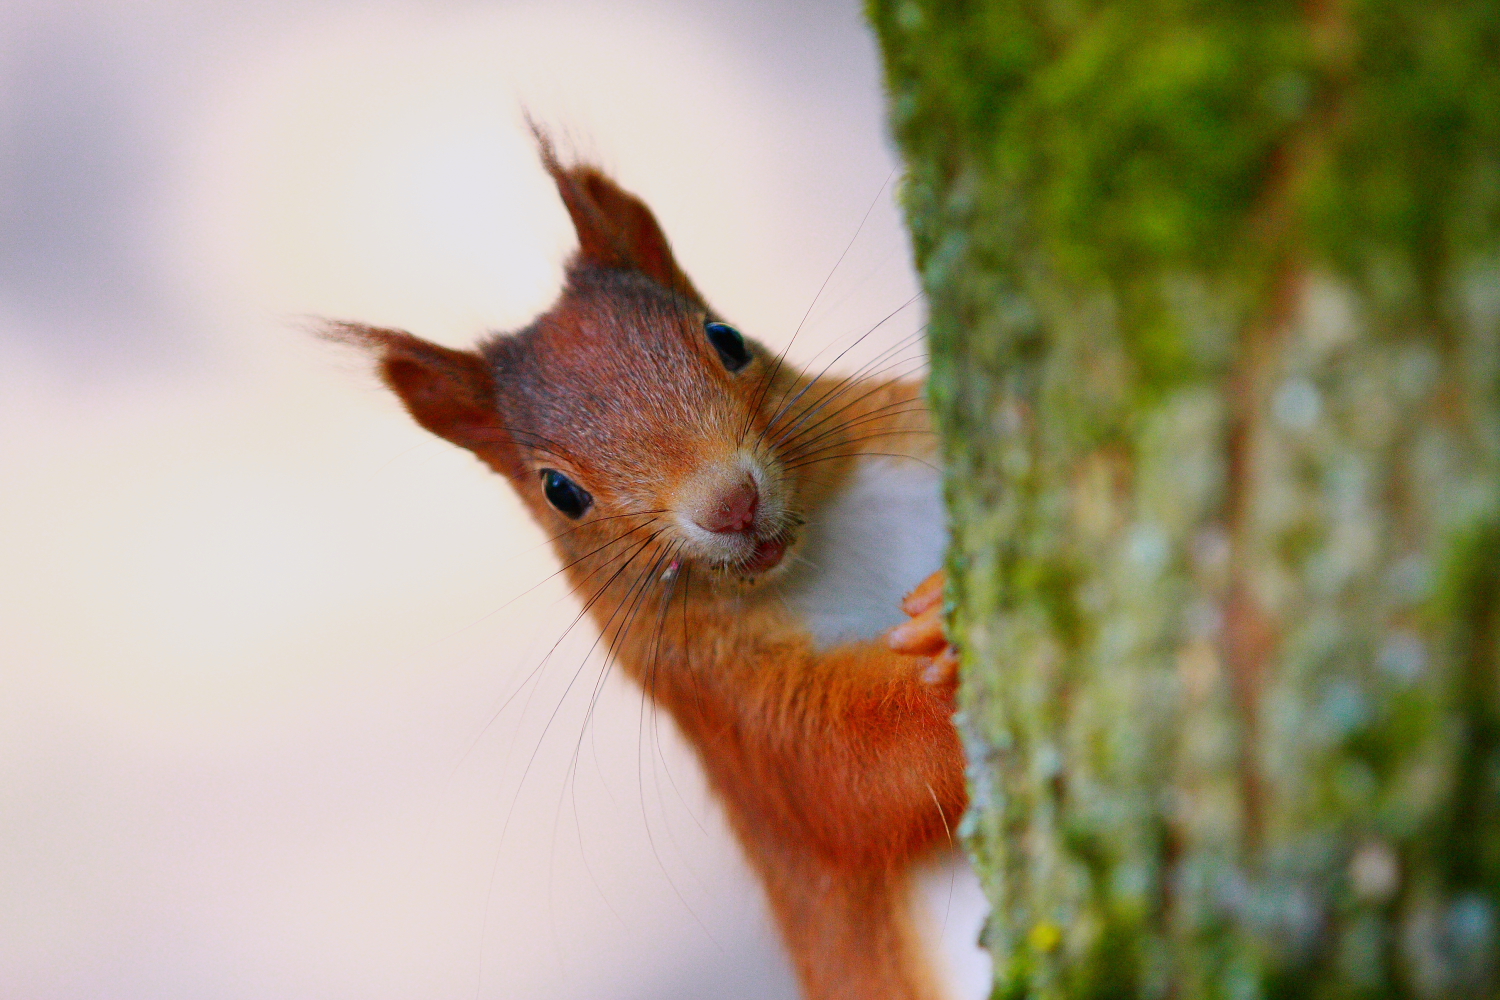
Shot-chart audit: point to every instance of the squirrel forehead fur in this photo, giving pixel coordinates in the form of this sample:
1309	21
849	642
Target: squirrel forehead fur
616	376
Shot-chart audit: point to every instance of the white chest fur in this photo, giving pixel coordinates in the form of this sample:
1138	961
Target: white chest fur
877	539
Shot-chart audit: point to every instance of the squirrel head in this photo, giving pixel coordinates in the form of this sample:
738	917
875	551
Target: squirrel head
629	416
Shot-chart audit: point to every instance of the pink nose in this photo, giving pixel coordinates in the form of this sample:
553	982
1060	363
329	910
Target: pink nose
735	510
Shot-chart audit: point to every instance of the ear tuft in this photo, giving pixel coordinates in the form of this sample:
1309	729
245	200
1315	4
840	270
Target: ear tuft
615	228
450	393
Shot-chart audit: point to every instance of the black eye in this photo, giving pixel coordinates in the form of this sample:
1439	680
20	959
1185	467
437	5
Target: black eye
730	345
564	494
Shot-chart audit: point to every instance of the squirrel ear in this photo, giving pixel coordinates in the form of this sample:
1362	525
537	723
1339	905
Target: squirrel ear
615	228
450	393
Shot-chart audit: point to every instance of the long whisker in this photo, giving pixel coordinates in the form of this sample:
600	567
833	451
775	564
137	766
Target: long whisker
833	308
536	670
785	405
865	454
587	523
802	447
550	718
760	398
792	435
567	566
870	382
649	686
854	440
687	666
858	375
510	811
525	438
868	375
638	587
656	735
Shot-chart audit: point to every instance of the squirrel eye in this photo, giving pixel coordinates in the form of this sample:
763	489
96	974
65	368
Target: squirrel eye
730	345
564	494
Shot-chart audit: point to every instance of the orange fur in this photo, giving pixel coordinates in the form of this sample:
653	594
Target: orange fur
837	767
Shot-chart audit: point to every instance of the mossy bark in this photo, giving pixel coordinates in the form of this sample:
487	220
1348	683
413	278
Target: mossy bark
1215	335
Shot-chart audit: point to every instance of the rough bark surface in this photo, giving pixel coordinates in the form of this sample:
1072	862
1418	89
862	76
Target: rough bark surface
1215	334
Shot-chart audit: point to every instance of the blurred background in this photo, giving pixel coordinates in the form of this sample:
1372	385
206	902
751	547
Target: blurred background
277	713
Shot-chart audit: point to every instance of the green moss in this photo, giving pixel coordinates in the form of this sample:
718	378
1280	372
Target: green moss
1465	842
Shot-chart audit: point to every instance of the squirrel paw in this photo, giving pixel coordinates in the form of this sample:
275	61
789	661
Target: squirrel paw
923	635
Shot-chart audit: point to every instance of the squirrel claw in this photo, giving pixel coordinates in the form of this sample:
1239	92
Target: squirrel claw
927	594
943	670
923	634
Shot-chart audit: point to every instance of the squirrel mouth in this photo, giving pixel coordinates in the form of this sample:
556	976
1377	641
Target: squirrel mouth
765	556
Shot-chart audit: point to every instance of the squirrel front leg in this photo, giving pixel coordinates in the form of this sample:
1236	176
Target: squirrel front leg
853	778
860	742
863	740
848	928
838	775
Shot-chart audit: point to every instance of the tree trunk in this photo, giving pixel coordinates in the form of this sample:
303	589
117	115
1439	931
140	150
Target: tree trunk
1215	335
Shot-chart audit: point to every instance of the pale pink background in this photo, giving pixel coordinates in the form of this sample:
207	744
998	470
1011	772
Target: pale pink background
256	631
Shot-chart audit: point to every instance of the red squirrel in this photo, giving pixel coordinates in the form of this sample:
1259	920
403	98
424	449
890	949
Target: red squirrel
740	533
